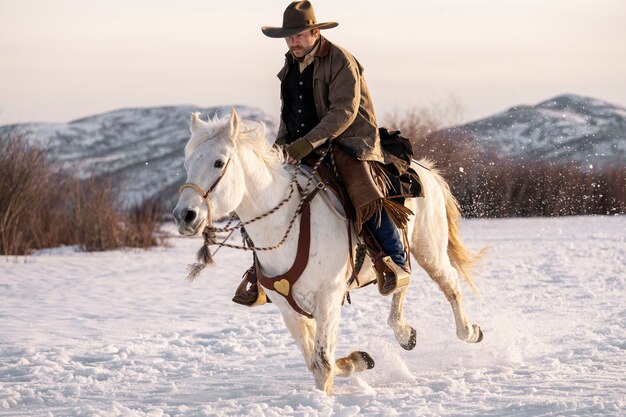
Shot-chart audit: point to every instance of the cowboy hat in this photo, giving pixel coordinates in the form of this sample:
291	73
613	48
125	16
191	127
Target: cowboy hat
298	17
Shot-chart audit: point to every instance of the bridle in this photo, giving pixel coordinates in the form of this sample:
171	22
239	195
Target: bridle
199	189
209	233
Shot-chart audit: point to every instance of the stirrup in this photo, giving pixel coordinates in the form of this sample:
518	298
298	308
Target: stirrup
392	275
243	287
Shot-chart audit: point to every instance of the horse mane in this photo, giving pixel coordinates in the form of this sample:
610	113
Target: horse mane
252	134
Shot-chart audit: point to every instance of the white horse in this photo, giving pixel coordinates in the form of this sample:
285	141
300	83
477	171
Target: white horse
230	168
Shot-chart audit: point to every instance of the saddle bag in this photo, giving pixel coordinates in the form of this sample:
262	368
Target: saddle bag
402	181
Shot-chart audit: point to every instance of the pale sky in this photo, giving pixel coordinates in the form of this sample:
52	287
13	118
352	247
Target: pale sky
65	59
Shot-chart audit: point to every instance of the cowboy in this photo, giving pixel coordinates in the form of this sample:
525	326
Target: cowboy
325	98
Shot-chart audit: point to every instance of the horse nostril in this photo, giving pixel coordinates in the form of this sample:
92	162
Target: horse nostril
190	216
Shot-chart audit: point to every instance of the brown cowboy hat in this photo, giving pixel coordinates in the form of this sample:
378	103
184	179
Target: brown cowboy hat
298	17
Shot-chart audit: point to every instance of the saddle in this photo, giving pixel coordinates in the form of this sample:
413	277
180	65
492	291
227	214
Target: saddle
400	182
403	180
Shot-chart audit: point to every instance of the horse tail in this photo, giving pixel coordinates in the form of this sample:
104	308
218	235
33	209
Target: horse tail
461	258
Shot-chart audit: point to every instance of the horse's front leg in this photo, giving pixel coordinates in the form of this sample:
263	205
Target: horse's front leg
327	316
405	334
302	330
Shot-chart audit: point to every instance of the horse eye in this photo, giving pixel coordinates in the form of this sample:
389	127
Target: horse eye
219	164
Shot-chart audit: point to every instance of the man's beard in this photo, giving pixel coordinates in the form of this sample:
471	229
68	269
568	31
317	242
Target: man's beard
299	50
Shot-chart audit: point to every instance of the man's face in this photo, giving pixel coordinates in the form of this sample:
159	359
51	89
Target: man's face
302	43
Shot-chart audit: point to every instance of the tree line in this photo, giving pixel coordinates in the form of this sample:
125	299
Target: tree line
42	206
489	185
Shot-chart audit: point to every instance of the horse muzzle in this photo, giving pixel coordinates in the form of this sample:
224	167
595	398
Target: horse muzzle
188	220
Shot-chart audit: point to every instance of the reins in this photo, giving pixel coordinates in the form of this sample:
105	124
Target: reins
304	192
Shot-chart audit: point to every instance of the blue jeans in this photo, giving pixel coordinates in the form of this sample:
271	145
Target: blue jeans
388	237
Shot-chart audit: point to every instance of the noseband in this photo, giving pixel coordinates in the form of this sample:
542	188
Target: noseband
199	189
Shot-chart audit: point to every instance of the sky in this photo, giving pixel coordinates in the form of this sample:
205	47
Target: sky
66	59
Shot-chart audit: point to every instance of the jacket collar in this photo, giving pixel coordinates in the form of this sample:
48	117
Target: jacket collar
324	47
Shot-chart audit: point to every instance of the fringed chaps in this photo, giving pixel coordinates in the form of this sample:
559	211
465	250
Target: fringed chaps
366	186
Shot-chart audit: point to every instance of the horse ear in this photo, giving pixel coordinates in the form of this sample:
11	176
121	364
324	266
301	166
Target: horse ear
195	122
234	123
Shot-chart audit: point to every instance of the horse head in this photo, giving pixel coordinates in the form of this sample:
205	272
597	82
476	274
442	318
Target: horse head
213	172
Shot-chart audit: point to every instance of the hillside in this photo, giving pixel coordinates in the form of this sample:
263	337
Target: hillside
566	128
141	149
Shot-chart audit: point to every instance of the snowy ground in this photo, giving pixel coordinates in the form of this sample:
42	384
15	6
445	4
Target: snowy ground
122	334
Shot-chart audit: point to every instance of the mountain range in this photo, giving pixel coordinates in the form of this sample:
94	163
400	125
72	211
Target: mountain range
141	149
567	128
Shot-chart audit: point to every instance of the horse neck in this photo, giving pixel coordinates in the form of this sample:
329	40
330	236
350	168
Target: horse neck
266	185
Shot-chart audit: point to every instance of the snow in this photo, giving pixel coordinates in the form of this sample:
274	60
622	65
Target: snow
122	334
571	117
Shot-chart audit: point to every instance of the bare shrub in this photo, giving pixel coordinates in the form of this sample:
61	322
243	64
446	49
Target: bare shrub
25	189
42	207
96	216
143	224
616	186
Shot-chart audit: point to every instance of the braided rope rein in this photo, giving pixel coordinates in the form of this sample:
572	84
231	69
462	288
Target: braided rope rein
241	224
209	233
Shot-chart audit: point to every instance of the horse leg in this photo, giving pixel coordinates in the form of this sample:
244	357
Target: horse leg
302	330
357	361
435	241
322	363
446	278
405	334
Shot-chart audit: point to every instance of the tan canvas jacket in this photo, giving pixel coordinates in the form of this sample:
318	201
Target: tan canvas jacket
343	104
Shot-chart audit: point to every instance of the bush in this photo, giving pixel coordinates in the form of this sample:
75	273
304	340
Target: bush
43	207
143	224
488	185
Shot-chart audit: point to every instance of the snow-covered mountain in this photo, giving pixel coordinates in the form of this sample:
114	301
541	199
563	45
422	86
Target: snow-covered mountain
566	128
141	149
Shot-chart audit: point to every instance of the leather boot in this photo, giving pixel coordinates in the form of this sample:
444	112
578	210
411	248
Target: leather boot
393	269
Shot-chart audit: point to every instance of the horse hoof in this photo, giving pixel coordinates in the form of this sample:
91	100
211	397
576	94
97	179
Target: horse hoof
412	341
367	359
480	335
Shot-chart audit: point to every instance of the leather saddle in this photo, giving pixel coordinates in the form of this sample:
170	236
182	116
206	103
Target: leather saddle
399	187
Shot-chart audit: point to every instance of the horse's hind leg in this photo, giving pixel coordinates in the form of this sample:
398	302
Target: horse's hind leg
434	240
405	334
446	278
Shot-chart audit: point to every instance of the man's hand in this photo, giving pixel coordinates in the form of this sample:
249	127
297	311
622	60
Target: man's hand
299	149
